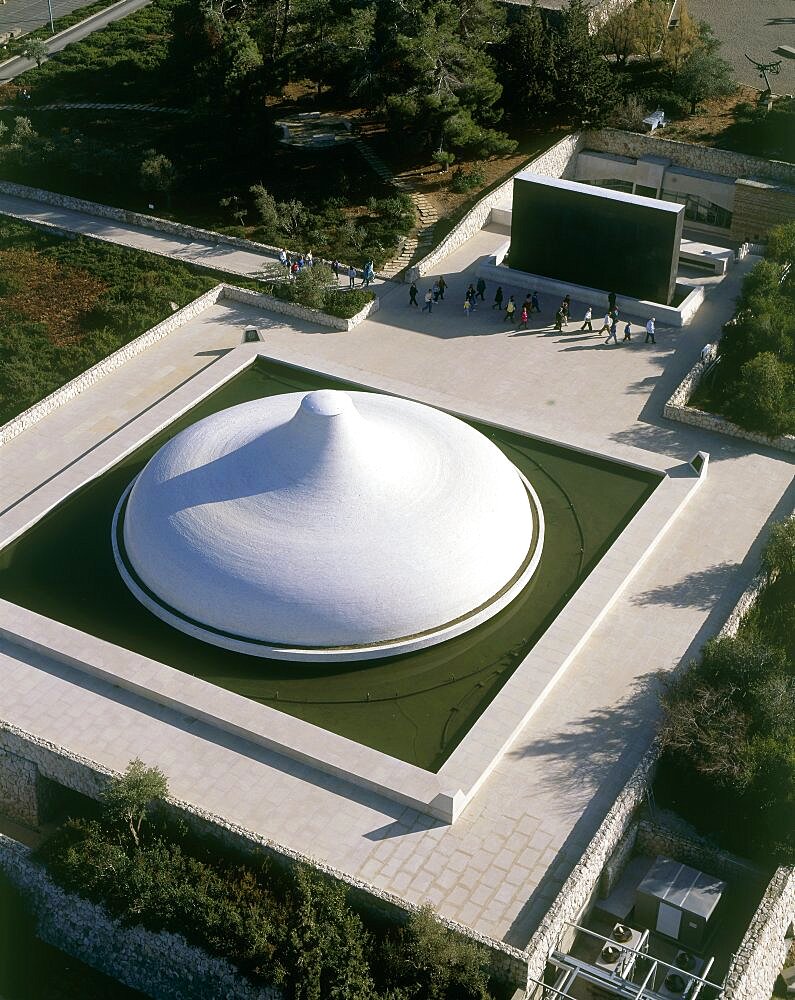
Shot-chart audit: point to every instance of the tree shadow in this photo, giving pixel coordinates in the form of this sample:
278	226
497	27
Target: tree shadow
702	589
594	756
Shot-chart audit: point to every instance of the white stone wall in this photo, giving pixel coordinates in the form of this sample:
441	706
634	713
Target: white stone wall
182	316
19	781
686	154
271	304
675	840
583	882
558	161
135	218
677	409
77	385
162	965
90	778
760	957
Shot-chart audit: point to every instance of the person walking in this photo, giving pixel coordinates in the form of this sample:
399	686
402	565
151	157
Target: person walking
536	307
627	332
611	301
428	301
467	307
481	289
587	325
413	295
605	328
650	332
559	317
498	299
471	293
442	285
435	291
613	335
335	267
351	276
310	260
566	306
283	259
368	274
523	318
510	310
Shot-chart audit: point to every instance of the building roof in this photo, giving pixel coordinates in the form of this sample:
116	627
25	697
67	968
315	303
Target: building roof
331	522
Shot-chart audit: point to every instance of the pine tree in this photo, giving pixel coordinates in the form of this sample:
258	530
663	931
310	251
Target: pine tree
527	65
587	90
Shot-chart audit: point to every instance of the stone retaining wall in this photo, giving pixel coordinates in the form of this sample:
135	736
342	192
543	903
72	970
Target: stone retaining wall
182	316
555	162
162	965
136	218
582	884
113	361
686	154
760	957
689	849
90	778
677	409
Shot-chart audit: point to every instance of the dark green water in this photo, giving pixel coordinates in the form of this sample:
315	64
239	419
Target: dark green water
32	970
416	707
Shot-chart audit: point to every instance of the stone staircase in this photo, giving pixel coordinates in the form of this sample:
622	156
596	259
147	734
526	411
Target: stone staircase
420	241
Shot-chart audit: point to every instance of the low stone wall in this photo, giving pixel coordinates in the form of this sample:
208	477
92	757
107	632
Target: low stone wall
582	884
42	759
677	409
686	154
555	162
272	304
113	361
760	958
682	844
182	316
162	965
19	788
136	218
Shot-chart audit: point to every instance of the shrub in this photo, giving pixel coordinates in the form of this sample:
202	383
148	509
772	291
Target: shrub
764	396
471	180
781	244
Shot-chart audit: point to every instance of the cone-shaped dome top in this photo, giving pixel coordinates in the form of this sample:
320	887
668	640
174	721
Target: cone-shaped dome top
327	525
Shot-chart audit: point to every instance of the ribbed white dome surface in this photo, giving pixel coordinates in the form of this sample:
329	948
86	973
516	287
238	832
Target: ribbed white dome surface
327	520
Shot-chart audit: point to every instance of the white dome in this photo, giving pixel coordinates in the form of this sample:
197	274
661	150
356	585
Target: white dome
327	525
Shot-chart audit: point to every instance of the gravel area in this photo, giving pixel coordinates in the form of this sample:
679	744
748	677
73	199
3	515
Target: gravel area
757	27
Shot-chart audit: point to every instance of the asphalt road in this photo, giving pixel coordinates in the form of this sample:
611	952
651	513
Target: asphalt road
19	65
757	27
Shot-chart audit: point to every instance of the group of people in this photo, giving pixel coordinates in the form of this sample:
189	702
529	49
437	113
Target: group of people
532	304
295	263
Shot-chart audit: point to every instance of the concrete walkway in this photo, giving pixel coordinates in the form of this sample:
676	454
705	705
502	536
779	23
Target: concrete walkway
498	867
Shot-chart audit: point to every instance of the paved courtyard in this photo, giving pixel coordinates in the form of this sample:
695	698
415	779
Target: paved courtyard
498	867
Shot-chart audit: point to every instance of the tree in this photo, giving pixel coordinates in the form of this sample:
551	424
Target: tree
36	50
651	23
781	244
679	41
764	397
157	173
704	75
267	209
586	88
129	798
617	34
527	66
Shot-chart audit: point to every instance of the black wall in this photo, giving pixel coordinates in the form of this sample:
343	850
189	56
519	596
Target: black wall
588	238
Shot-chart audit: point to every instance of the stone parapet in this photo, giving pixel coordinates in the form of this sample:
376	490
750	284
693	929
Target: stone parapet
760	957
555	162
759	206
160	964
80	383
677	409
687	154
62	766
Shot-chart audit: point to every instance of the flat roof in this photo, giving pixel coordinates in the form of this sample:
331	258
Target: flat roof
599	192
684	887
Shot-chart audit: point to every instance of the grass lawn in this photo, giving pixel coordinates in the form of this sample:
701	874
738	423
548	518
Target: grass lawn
68	303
